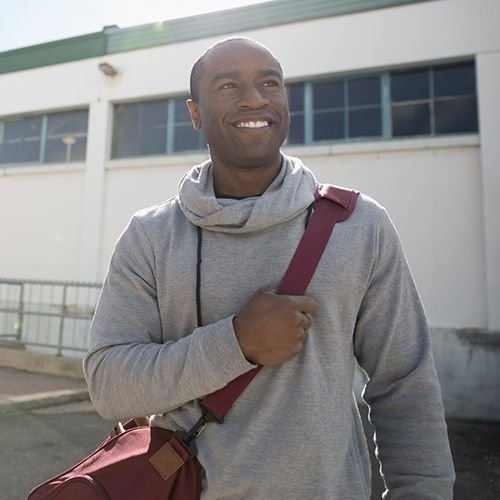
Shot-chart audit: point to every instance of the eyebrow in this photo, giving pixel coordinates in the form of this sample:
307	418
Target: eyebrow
234	75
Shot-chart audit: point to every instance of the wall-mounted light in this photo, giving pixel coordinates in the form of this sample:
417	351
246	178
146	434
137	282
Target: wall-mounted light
108	69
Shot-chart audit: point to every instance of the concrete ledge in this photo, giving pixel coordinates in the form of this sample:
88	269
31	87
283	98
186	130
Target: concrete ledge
468	367
41	363
13	404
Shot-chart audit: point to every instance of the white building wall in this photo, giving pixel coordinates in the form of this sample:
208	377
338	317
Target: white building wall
61	222
40	221
488	75
434	198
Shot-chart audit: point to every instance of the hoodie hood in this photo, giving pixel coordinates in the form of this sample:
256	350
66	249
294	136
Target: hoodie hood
289	194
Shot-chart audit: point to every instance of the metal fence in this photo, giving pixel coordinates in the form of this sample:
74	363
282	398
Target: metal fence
49	316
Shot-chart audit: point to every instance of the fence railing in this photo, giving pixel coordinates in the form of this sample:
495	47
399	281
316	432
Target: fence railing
51	316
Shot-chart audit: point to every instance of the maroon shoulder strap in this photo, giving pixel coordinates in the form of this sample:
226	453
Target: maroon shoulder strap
332	204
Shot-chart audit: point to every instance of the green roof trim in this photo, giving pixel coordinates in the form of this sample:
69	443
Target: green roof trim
113	40
237	20
60	51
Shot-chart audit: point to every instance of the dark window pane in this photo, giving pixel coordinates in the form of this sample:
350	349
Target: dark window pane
365	122
296	96
20	152
456	115
59	151
412	119
125	131
32	127
30	151
127	116
140	129
125	145
296	131
154	113
328	95
458	79
181	111
410	85
9	152
152	141
186	138
67	123
79	149
55	151
364	91
13	130
27	128
329	126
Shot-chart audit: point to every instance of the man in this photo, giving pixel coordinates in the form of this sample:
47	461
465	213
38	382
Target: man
189	304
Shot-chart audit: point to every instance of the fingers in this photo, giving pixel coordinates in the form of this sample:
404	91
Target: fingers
272	328
303	303
306	321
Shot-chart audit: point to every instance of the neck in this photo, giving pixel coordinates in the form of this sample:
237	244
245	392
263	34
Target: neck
234	182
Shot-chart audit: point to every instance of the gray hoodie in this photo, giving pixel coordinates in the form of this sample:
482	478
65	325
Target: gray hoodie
295	432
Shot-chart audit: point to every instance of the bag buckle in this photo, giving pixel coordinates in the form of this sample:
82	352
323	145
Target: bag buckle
188	438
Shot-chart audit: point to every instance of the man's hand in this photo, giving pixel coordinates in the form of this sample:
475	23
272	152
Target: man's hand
272	328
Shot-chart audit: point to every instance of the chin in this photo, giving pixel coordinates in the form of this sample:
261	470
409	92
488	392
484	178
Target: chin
255	156
257	161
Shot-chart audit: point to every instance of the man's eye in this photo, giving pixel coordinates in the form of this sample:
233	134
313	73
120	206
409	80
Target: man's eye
228	85
271	83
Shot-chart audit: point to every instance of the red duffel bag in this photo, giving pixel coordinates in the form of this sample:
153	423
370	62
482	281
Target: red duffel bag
140	462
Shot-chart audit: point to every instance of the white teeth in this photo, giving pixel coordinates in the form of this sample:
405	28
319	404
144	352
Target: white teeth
259	124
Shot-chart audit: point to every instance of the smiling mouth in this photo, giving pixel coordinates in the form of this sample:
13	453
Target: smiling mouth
253	124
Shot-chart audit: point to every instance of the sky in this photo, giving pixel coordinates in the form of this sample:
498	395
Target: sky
29	22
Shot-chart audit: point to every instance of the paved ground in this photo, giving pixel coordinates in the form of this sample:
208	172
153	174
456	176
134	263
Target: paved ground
37	443
17	383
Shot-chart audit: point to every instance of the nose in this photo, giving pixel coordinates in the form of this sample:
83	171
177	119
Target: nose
252	98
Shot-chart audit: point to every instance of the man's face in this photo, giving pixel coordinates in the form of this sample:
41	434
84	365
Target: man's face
242	106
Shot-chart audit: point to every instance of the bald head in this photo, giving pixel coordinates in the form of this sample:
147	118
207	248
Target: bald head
199	65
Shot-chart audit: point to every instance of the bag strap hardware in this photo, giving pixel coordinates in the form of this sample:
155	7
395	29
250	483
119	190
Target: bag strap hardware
197	429
188	438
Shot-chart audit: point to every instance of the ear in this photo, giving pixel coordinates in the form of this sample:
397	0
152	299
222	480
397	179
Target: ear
195	113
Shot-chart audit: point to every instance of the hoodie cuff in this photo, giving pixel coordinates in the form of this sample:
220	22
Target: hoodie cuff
222	352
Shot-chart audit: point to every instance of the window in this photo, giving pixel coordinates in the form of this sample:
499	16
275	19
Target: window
347	109
329	107
364	113
140	129
410	98
296	104
433	101
455	103
415	102
154	128
49	138
21	140
66	137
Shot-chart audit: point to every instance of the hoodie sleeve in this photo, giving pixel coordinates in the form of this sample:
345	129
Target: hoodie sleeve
130	372
392	345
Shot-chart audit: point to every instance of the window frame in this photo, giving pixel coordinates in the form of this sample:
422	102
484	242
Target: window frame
386	105
170	127
42	138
